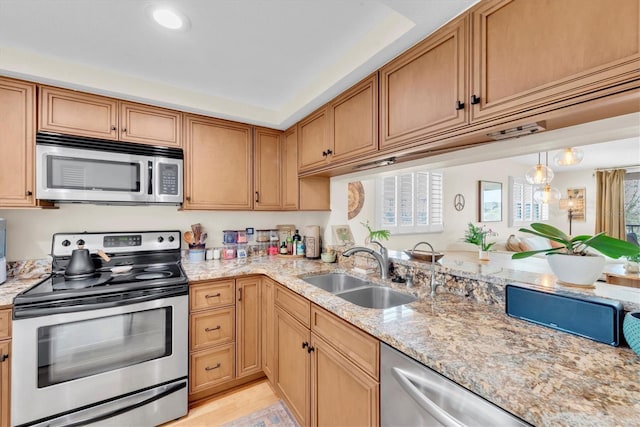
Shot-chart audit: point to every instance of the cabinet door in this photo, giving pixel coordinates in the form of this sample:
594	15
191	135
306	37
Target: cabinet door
342	394
530	53
217	164
248	331
353	129
208	368
420	90
266	173
17	132
293	370
290	169
268	307
77	113
5	382
313	140
150	125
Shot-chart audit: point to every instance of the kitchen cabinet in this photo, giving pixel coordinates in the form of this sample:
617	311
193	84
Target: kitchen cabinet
76	113
248	326
527	54
342	130
327	370
289	170
315	193
17	143
218	164
423	91
268	327
267	176
5	367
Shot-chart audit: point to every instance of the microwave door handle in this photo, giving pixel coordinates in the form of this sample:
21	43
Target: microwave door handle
150	178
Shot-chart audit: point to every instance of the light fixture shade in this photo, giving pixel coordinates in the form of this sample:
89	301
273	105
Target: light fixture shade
568	157
546	194
539	175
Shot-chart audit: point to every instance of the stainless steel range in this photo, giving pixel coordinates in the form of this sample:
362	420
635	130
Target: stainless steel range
103	341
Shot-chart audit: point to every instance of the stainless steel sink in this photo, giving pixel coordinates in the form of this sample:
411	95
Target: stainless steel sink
336	282
376	297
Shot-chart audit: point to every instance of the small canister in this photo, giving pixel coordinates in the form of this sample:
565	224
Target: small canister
228	252
229	236
262	236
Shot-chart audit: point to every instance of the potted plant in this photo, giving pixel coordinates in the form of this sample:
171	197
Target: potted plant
375	234
570	261
478	236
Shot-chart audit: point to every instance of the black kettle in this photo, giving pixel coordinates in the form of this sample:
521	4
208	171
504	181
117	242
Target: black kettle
80	264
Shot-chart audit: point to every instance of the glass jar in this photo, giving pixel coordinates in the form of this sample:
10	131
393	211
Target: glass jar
262	236
274	236
229	236
241	236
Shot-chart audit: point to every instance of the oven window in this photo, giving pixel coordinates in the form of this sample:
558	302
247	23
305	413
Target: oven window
90	174
88	347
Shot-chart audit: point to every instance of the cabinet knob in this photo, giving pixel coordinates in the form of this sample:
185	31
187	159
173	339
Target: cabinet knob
114	128
305	344
329	152
311	349
29	193
4	357
324	154
124	130
188	198
459	105
475	100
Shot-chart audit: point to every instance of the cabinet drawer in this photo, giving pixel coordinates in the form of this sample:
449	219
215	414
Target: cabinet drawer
5	324
211	367
211	294
211	328
294	304
359	347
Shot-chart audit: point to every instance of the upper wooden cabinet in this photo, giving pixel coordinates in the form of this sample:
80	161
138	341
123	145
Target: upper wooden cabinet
267	176
423	91
289	170
527	53
17	133
77	113
217	164
344	129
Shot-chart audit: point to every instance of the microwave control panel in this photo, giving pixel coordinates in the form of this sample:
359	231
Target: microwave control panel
168	179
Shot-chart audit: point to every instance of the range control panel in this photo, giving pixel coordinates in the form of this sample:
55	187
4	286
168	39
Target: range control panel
125	242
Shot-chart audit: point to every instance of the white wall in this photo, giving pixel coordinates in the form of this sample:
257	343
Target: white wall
29	231
464	180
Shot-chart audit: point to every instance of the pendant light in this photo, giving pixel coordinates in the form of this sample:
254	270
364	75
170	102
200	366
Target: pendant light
546	194
539	174
568	157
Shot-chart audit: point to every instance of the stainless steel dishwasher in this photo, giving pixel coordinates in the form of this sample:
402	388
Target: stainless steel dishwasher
413	395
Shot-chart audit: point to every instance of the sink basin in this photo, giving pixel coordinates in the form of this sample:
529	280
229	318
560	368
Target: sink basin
336	282
376	297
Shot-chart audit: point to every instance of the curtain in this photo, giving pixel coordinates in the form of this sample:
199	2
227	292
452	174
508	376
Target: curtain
610	203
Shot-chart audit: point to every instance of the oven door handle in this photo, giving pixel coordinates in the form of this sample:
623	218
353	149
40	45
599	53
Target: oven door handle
120	411
49	309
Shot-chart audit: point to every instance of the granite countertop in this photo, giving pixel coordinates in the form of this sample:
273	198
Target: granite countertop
544	376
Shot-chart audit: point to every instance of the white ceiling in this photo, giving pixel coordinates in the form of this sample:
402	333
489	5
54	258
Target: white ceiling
266	62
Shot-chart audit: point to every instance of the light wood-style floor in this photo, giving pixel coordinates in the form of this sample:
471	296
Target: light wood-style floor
229	406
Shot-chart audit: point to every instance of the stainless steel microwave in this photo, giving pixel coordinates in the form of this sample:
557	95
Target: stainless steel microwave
78	169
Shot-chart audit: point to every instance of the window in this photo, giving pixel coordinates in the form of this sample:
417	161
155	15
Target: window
632	204
410	202
523	209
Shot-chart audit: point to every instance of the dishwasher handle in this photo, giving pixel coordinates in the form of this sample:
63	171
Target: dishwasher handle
425	403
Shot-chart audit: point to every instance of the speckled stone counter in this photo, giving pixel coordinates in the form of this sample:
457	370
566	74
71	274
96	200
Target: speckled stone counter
21	276
546	377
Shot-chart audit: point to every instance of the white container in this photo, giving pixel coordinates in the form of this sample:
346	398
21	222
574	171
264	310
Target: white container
575	269
196	255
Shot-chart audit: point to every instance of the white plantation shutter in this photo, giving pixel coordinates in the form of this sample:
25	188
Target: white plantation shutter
523	209
410	202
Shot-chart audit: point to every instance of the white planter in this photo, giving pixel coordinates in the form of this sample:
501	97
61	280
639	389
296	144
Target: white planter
483	255
632	267
576	269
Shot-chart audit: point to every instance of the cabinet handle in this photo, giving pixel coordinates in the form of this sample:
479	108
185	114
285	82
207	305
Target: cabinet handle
311	349
211	368
305	344
213	296
4	357
240	294
257	197
28	193
459	105
212	329
114	128
475	100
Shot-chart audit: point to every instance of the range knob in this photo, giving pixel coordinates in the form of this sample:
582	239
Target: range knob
66	243
160	239
171	238
80	242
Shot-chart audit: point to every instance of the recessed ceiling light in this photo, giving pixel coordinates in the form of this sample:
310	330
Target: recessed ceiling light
169	18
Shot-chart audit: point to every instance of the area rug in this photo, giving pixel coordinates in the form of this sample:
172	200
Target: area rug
274	415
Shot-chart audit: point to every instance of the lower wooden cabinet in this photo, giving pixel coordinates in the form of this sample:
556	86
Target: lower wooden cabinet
5	367
248	304
268	328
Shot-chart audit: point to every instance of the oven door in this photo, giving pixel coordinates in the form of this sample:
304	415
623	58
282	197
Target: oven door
70	174
71	360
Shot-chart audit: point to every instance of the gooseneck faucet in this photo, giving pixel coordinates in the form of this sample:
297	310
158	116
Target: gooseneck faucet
433	284
382	257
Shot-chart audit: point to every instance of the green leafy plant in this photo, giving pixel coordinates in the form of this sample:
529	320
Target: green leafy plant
376	234
609	246
633	258
478	236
